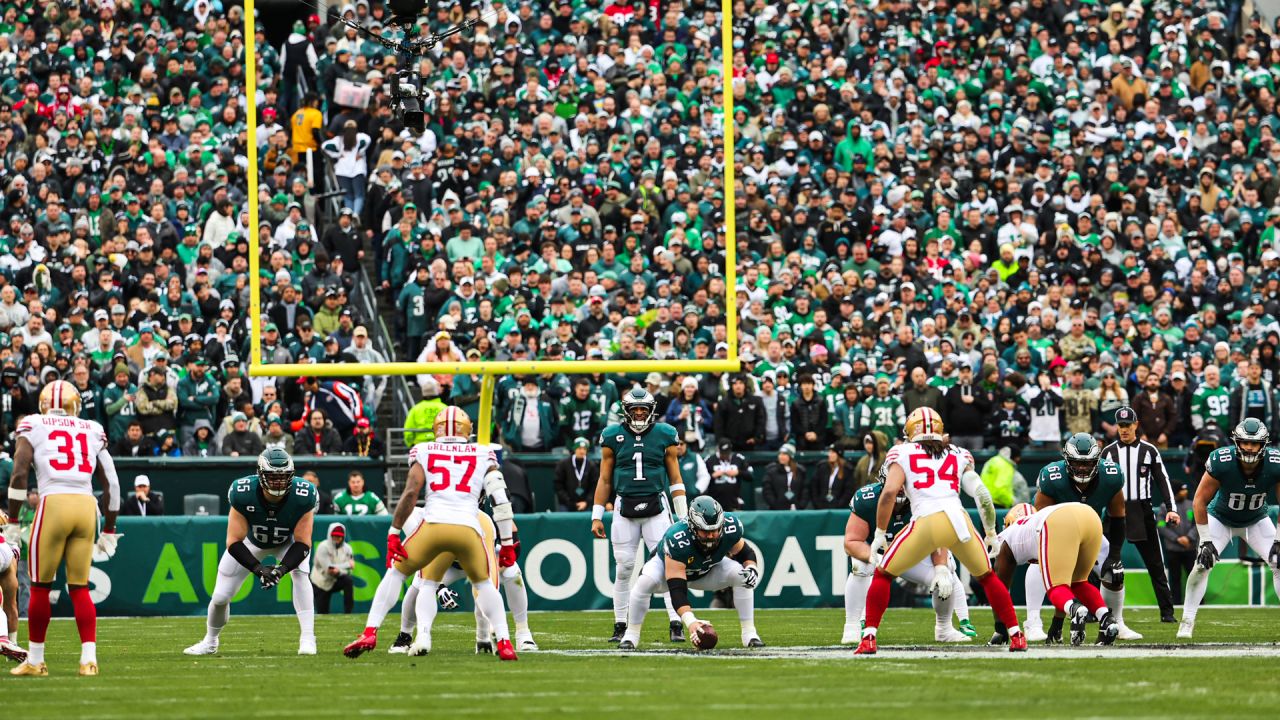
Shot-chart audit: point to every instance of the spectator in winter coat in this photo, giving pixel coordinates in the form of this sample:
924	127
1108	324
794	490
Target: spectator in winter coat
1009	425
809	416
422	416
921	393
777	412
832	482
198	394
331	571
364	442
576	478
530	423
275	436
1157	415
1181	542
965	410
785	485
241	441
690	415
201	442
157	403
729	471
318	437
739	418
867	471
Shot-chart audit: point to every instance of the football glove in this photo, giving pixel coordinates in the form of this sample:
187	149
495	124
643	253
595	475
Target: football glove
942	581
878	545
991	543
750	576
395	549
1208	555
447	598
107	543
1273	557
1111	569
267	576
507	555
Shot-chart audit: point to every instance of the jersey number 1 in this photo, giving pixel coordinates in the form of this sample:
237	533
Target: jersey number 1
437	466
66	449
948	473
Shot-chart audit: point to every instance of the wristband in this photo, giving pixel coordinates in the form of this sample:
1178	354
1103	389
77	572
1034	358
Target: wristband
1203	531
688	619
678	487
393	530
597	512
17	494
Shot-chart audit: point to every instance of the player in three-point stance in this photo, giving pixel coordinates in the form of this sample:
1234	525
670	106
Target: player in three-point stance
639	458
272	515
936	572
1084	476
454	472
931	473
1061	543
707	551
67	453
1231	501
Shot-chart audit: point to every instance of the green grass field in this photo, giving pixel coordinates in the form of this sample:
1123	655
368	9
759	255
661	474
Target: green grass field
801	673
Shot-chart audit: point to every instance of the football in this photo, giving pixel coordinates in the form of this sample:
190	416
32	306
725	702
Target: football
705	638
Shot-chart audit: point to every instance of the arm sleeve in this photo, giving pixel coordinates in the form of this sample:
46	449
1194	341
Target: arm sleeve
1115	536
113	480
973	485
495	486
294	556
704	476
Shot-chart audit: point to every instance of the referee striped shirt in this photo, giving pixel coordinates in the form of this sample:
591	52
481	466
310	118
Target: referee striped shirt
1143	468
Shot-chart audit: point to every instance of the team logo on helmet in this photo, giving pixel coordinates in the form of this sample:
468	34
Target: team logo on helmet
1082	455
1251	430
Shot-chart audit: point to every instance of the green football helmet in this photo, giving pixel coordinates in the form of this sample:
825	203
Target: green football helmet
275	472
1251	430
706	519
1082	454
638	399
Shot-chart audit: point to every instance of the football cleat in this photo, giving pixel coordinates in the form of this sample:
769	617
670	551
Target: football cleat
626	645
307	645
851	634
204	647
26	668
968	629
88	669
949	635
1185	629
1054	636
367	641
12	651
1168	618
401	645
525	642
1079	615
867	646
677	631
619	629
505	651
484	647
1018	642
420	647
1126	633
1034	633
998	637
753	642
1108	628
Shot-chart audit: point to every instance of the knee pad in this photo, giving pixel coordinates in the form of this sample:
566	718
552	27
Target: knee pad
625	559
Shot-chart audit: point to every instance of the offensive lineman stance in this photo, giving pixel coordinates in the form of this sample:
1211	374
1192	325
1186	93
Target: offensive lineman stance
638	460
272	514
931	473
67	454
459	472
707	551
1231	501
9	557
1063	542
935	572
1084	476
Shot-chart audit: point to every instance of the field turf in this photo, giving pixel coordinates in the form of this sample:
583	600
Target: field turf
1232	672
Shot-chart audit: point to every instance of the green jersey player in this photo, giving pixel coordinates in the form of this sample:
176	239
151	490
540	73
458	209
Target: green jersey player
271	514
707	551
1232	501
639	463
1084	476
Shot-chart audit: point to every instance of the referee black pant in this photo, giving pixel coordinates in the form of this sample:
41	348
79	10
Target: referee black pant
1141	531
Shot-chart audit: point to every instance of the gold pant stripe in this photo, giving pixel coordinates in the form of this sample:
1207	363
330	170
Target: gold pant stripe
1069	544
63	529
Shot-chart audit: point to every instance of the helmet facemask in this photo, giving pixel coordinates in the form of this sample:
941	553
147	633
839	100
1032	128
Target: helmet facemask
706	521
638	408
275	473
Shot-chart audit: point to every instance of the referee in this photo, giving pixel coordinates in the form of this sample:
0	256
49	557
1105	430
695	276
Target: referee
1143	468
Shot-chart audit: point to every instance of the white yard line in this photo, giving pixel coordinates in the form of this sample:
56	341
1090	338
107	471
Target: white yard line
926	652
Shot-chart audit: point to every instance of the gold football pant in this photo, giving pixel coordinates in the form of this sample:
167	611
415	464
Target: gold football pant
924	535
1069	545
447	543
63	529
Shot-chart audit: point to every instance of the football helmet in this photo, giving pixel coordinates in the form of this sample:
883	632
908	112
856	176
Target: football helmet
60	398
923	424
706	519
1082	455
452	422
635	400
1017	512
275	472
1250	430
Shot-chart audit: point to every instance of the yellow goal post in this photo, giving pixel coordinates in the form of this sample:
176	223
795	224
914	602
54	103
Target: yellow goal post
489	370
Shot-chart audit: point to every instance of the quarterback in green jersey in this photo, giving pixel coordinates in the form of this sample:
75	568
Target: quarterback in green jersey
1232	501
936	572
271	514
706	551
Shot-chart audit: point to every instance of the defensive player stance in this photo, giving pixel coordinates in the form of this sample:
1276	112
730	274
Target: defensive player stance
932	472
9	558
704	552
1231	501
67	454
512	581
1062	543
272	515
935	572
640	462
1084	476
459	472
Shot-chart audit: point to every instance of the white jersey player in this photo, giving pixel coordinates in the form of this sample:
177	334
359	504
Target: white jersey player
455	473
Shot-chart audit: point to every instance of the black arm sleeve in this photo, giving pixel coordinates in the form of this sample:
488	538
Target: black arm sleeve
742	557
294	556
678	589
1115	536
240	552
